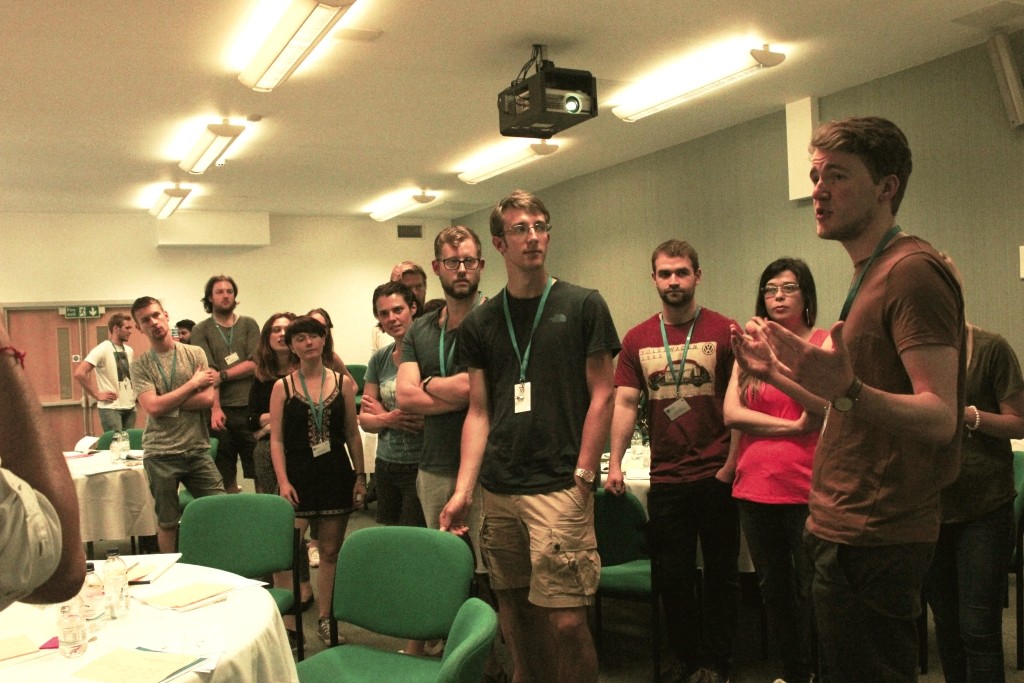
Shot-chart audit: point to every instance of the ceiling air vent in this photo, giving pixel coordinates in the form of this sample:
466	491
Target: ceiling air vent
407	232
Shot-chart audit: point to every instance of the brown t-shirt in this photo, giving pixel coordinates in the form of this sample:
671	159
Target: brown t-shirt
872	485
986	473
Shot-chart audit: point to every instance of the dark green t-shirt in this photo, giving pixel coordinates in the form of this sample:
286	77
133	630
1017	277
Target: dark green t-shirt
536	451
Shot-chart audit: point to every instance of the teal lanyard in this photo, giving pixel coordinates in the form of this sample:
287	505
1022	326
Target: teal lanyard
317	409
678	379
852	294
228	339
524	359
440	352
440	343
168	383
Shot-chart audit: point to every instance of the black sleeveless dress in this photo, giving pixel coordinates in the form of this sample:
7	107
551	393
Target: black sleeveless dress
324	484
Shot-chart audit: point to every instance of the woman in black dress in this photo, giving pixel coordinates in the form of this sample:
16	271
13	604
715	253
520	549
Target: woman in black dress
312	421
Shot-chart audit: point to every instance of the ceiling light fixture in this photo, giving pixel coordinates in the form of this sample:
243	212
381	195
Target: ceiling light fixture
522	156
652	100
169	201
210	146
402	205
300	29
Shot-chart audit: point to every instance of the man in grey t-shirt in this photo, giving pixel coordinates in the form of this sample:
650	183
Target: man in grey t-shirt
175	387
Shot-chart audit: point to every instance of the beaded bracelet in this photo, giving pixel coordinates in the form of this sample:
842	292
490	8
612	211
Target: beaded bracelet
977	420
19	356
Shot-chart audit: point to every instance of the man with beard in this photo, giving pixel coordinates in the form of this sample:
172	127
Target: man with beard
681	360
432	383
175	388
229	341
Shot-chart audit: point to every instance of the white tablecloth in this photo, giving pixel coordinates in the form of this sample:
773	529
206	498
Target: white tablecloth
246	629
113	500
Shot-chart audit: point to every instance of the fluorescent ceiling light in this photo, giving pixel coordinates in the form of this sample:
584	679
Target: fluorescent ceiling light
169	201
301	28
402	205
210	146
654	99
507	163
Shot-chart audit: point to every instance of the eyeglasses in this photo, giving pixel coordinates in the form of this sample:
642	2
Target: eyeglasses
789	289
469	262
522	229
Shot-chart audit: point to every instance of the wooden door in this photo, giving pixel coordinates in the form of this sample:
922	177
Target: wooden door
54	346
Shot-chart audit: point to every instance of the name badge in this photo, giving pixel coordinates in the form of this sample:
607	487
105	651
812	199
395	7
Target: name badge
677	408
321	448
521	394
231	359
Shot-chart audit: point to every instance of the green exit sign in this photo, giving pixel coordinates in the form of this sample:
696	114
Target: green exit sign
83	311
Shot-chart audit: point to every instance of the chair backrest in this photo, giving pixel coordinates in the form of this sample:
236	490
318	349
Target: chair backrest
619	522
134	439
359	375
405	582
248	534
469	643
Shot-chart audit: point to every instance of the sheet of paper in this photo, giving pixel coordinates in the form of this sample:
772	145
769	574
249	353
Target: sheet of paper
149	568
134	665
86	443
186	595
16	647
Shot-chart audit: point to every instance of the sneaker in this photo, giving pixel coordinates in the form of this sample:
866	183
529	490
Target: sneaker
324	631
433	648
314	555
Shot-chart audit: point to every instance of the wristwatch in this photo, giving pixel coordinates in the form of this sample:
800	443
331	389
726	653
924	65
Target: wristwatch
585	474
845	402
223	375
425	383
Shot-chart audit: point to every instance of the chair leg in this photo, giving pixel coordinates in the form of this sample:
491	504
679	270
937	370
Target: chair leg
922	636
655	637
297	594
1019	598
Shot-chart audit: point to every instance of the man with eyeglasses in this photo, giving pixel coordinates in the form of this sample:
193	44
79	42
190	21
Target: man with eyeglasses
681	360
432	382
540	402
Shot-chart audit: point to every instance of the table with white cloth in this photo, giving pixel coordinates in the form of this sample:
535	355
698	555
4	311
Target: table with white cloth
636	469
244	630
114	500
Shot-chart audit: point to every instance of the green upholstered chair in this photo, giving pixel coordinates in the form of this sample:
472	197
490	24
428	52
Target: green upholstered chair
184	497
359	375
409	583
134	439
252	535
620	524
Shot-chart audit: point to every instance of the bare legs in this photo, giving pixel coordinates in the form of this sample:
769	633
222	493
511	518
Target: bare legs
537	636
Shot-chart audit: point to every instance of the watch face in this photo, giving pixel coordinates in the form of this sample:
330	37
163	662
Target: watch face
843	404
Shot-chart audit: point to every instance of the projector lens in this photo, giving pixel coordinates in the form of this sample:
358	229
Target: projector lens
573	104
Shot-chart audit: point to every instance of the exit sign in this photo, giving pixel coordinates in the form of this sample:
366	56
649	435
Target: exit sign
88	311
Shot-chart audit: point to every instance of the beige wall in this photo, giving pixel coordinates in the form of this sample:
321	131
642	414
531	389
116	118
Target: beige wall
726	193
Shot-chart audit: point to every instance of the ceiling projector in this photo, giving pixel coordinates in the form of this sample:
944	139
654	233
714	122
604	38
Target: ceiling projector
548	102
